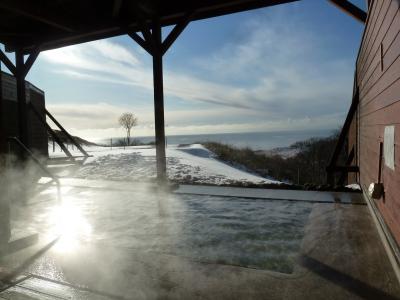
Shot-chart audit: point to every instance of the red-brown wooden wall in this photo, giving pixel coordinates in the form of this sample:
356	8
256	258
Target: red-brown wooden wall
378	79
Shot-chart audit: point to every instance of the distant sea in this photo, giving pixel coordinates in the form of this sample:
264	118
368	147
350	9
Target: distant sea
254	140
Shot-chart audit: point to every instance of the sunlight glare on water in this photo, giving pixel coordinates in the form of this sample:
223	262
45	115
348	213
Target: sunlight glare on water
254	233
70	225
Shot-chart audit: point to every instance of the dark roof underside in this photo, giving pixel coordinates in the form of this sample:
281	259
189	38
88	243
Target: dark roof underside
50	24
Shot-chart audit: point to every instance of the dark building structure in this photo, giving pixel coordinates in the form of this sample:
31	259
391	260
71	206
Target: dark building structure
37	133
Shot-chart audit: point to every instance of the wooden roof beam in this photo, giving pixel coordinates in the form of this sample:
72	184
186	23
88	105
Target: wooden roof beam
29	62
10	66
351	9
29	9
176	31
143	43
111	28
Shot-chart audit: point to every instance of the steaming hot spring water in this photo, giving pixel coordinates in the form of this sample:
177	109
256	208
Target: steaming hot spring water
253	233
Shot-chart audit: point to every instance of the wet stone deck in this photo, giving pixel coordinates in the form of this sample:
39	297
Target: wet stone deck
323	246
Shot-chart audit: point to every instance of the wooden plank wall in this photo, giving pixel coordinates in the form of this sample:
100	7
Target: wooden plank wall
38	139
378	78
352	143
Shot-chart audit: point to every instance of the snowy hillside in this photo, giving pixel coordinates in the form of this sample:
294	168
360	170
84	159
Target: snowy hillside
189	164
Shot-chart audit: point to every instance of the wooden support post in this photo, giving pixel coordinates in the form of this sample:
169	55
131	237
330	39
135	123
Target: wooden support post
21	98
351	9
4	59
159	101
134	36
176	31
342	137
30	61
344	174
153	43
3	138
20	70
3	147
5	226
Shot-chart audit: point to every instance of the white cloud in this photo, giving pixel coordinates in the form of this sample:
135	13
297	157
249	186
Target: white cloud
115	52
275	72
88	62
100	121
102	61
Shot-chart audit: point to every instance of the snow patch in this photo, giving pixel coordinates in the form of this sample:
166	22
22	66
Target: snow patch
354	186
189	163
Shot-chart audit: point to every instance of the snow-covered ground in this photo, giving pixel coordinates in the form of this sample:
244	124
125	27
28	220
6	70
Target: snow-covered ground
189	164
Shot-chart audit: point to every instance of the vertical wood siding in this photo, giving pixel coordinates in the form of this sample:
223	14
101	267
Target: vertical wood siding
352	138
378	77
38	139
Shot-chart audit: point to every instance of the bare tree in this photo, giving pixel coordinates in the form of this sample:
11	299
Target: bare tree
127	121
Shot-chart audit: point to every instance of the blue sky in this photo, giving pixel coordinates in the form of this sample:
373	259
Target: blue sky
287	67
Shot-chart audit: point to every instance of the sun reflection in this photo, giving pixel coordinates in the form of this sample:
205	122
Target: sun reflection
69	223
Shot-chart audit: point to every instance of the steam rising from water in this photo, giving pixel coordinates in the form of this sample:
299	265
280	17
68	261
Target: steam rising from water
116	236
18	182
